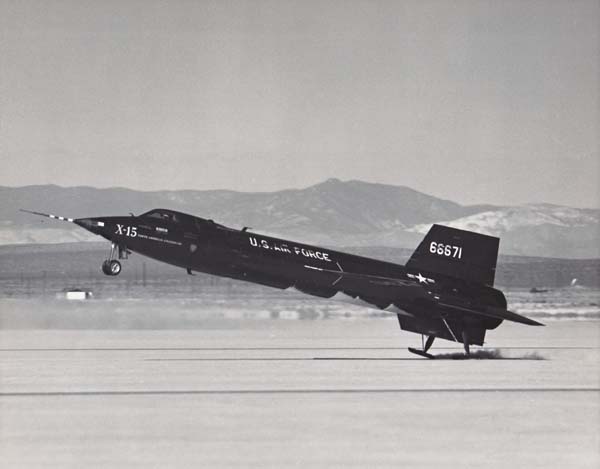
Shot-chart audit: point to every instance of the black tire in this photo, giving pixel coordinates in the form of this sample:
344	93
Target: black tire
106	268
114	267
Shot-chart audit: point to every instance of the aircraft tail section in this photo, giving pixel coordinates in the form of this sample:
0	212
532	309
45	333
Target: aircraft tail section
457	253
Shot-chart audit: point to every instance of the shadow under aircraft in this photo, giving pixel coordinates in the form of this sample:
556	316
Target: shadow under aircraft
445	289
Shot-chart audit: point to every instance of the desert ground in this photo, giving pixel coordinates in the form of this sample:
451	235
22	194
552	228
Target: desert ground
271	392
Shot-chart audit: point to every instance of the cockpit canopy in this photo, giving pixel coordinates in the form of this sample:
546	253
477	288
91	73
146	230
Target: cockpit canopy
163	215
172	217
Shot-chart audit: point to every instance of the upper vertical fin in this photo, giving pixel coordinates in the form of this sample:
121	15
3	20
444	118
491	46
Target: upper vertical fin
457	253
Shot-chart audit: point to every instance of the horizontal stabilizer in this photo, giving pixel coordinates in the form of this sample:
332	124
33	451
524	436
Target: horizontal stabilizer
501	313
494	312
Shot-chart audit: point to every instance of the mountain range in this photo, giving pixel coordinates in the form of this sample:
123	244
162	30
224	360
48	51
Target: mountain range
333	213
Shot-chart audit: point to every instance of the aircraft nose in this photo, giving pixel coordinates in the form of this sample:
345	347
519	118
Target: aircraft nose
91	224
84	223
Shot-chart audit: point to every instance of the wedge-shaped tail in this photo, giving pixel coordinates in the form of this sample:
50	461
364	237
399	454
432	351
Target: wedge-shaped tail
457	253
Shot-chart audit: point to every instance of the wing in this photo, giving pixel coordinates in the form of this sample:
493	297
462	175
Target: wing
378	291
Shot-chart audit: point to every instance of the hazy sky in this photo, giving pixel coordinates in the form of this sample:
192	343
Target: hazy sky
473	101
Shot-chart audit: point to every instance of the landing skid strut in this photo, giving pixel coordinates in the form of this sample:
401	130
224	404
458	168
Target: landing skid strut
426	347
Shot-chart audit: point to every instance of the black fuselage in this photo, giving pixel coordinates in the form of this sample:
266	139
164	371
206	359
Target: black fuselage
201	245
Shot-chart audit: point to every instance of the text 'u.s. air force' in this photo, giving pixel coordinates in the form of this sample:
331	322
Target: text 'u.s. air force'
282	247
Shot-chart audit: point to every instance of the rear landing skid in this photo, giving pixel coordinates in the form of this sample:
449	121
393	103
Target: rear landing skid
427	345
421	353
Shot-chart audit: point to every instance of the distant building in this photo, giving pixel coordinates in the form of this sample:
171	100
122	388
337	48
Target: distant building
74	294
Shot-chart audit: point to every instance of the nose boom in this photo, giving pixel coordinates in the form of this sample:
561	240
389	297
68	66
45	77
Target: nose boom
48	215
94	225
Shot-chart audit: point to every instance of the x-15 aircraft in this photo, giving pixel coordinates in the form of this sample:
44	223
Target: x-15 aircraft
445	290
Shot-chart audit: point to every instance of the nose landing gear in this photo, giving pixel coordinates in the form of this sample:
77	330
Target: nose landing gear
112	266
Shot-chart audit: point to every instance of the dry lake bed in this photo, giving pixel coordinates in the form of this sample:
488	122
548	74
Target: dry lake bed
316	393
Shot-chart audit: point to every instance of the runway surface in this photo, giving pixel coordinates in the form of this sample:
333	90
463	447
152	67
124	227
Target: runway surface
276	393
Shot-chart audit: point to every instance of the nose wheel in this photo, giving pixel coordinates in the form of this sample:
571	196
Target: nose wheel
112	266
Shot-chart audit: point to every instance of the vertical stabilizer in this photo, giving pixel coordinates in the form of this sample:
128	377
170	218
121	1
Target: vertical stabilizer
457	253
